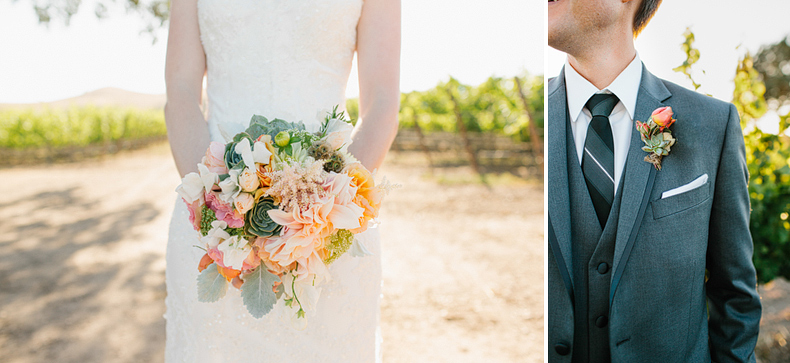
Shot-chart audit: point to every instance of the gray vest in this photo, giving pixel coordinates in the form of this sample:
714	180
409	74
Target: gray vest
593	253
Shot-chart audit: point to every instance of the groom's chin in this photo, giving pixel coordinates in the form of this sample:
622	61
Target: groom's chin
558	24
559	38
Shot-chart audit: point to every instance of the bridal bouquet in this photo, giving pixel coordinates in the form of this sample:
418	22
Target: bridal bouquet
274	206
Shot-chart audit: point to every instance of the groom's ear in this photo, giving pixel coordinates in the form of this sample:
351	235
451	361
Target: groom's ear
644	12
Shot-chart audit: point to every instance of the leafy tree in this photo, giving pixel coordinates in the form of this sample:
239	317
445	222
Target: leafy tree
153	12
493	106
773	64
768	160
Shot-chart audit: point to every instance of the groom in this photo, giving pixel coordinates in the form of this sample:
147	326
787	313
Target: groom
645	265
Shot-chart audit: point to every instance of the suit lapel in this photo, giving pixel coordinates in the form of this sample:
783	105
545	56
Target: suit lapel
638	177
559	199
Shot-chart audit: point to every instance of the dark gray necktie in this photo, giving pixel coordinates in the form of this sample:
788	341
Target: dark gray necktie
598	158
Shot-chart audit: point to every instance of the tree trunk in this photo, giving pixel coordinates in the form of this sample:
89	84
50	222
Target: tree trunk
534	136
421	138
462	129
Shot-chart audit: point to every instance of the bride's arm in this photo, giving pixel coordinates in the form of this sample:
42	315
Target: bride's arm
378	62
184	69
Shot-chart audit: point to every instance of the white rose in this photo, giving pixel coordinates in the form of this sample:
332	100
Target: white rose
243	202
338	134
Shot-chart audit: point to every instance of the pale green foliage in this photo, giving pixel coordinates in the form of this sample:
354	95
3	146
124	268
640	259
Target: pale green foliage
257	293
692	56
211	285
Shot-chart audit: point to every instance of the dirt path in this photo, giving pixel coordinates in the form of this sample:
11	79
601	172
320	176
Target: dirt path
773	345
82	264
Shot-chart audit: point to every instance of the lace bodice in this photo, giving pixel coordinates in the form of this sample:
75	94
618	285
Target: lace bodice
288	59
276	58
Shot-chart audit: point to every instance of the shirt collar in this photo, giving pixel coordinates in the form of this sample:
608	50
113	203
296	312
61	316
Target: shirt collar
625	87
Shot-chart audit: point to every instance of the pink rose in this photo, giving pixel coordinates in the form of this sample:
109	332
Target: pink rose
215	158
224	211
662	116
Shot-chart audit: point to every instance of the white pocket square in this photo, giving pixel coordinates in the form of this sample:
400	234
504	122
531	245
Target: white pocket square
685	188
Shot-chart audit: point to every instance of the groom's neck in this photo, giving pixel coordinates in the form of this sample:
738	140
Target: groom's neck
601	64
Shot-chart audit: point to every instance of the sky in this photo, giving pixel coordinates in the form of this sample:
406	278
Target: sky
724	31
468	39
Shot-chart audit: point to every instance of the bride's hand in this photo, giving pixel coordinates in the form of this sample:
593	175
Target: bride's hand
378	61
184	70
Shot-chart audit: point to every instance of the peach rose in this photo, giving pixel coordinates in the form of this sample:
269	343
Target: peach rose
662	116
243	202
248	180
215	158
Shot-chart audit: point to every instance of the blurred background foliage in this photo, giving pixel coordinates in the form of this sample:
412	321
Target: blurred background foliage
761	85
768	158
494	106
474	124
29	128
495	126
154	13
773	63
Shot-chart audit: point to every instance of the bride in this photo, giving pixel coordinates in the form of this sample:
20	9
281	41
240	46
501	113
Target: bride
288	59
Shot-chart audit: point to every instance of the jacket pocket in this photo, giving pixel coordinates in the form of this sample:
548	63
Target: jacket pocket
680	202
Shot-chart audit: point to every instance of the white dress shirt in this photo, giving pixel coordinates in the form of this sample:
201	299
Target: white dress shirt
625	87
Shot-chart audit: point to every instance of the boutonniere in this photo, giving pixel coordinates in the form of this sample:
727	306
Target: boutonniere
656	135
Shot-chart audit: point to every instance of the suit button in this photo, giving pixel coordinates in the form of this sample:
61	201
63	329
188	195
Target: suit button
601	321
562	348
603	268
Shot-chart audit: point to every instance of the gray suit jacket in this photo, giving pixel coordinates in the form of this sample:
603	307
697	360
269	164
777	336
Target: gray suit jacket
658	310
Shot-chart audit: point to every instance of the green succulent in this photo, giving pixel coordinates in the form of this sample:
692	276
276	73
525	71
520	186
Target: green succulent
232	158
258	221
659	144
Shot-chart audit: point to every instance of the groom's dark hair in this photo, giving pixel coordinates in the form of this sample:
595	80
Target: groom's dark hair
646	10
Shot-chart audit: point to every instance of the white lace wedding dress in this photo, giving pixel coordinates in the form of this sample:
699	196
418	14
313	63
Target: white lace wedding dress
290	60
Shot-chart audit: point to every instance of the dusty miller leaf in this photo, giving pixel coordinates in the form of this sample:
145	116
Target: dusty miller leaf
257	292
211	285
